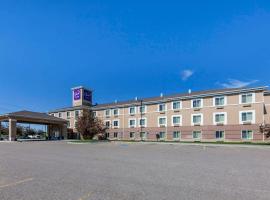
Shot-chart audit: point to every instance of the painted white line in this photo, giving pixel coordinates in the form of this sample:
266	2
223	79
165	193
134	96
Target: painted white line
16	183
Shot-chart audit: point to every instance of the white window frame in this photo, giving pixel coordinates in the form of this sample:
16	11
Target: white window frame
134	135
134	110
108	121
219	113
118	111
118	123
60	114
223	134
192	123
131	126
253	98
196	100
140	121
178	137
116	136
199	138
165	135
214	101
176	102
246	111
160	125
145	109
252	136
108	114
180	123
162	110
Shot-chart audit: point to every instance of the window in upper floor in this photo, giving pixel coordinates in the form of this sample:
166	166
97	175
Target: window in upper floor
220	118
247	98
132	123
132	110
197	119
115	111
197	103
176	105
176	120
142	109
107	112
162	107
247	116
162	121
220	101
142	122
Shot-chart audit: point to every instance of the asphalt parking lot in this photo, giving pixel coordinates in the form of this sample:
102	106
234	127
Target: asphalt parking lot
58	170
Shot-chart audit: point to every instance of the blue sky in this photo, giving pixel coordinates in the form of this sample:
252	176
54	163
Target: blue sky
122	49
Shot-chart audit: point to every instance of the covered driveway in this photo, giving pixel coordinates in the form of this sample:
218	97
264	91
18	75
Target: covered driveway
55	126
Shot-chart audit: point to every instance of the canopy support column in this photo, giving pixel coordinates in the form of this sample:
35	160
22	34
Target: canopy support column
12	129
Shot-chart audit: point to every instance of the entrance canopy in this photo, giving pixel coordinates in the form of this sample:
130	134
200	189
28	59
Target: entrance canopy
33	118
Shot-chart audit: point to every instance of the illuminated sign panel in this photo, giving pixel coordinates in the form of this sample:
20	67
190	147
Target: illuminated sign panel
77	94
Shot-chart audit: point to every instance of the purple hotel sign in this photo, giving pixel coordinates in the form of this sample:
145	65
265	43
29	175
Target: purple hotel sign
77	94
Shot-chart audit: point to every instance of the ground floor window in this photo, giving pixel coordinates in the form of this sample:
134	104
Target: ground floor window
196	134
176	134
143	135
247	134
219	134
115	134
132	135
107	135
161	135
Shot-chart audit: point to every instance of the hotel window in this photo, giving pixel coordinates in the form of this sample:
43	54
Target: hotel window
107	135
68	115
132	110
116	124
94	113
107	124
162	107
247	98
162	135
197	119
219	101
68	124
52	114
176	105
247	134
115	134
132	123
142	109
143	135
219	118
196	134
219	134
162	121
107	112
176	134
247	116
77	113
143	122
196	103
176	120
132	135
60	115
115	112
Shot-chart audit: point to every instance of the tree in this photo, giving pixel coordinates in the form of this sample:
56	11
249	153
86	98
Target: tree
89	126
265	129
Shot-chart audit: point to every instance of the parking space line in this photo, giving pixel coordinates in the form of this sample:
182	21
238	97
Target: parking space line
16	183
85	196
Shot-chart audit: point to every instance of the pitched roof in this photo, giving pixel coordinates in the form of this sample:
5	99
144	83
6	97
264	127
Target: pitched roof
25	115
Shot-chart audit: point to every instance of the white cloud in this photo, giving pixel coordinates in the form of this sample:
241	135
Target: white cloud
185	74
234	83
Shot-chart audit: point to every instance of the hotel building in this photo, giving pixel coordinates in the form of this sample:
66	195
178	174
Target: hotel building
234	114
